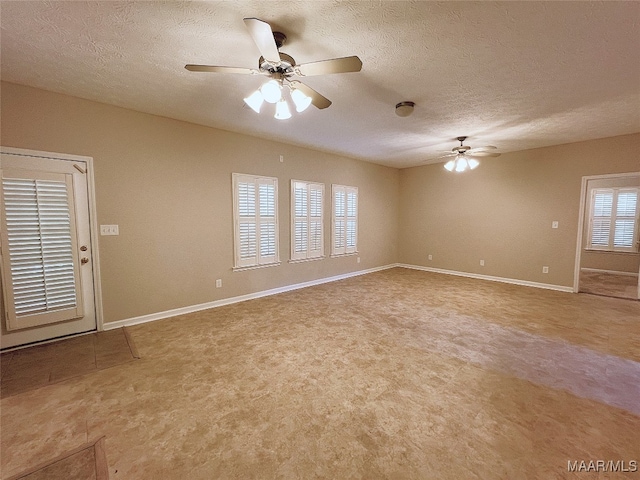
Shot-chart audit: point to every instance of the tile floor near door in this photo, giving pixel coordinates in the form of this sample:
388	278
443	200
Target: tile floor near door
396	374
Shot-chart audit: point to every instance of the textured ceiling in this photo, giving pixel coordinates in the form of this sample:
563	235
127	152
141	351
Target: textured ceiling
517	75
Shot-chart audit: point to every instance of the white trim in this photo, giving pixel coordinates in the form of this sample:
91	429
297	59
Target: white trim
583	200
93	217
312	259
514	281
613	272
253	267
242	298
340	255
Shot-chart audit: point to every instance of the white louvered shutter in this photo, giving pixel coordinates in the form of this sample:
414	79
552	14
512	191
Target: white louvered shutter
247	235
39	249
307	236
625	222
601	218
614	219
268	224
345	220
255	218
316	220
351	220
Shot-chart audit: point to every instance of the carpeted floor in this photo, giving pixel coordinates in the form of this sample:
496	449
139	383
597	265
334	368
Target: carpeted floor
396	374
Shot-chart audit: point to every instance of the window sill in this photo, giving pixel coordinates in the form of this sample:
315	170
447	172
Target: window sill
254	267
615	252
303	260
338	255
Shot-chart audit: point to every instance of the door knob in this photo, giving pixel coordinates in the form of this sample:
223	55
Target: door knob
84	260
83	248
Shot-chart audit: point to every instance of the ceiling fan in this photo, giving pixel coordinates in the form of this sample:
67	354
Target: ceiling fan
463	156
280	68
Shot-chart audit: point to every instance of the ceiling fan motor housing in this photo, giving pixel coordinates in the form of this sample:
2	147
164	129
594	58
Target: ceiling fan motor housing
285	66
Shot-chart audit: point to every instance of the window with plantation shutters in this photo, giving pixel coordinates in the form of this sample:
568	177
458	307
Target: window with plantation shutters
613	223
255	211
307	232
344	220
38	242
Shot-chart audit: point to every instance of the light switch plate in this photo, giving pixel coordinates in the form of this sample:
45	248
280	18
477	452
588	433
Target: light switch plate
554	224
109	230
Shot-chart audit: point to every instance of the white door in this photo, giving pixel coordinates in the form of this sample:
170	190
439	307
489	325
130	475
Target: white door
46	253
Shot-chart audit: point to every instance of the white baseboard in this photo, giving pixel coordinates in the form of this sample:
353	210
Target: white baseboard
613	272
514	281
274	291
242	298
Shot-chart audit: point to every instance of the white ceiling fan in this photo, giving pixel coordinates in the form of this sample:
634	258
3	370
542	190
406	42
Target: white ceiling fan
463	156
280	68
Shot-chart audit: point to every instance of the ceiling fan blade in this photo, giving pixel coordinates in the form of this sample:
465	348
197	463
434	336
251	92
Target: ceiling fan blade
263	37
484	154
317	100
214	69
479	149
335	65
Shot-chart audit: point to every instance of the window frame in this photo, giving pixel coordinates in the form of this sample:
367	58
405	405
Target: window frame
344	249
309	254
259	260
613	218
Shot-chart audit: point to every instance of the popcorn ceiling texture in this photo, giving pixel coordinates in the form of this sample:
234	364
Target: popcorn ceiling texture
517	75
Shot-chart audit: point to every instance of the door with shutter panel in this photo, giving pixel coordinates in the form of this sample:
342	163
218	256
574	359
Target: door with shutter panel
47	275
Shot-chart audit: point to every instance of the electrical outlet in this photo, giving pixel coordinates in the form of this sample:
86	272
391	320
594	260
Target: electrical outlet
545	269
482	263
281	158
219	283
430	257
554	224
109	230
358	260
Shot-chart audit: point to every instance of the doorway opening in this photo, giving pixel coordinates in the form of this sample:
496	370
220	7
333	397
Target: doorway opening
607	254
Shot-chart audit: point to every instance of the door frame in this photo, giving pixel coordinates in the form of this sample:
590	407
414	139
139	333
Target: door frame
93	219
583	208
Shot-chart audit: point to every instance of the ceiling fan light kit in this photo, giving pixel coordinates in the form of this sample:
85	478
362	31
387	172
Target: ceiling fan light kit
463	156
279	67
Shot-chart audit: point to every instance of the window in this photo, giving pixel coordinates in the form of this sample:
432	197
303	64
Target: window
614	219
344	220
307	231
255	214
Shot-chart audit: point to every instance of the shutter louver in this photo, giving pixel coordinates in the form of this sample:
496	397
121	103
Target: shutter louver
40	233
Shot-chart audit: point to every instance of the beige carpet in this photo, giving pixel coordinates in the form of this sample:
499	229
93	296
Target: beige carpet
87	462
396	374
610	285
37	366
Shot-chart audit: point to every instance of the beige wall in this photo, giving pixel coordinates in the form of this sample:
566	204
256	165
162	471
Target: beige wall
502	211
167	184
